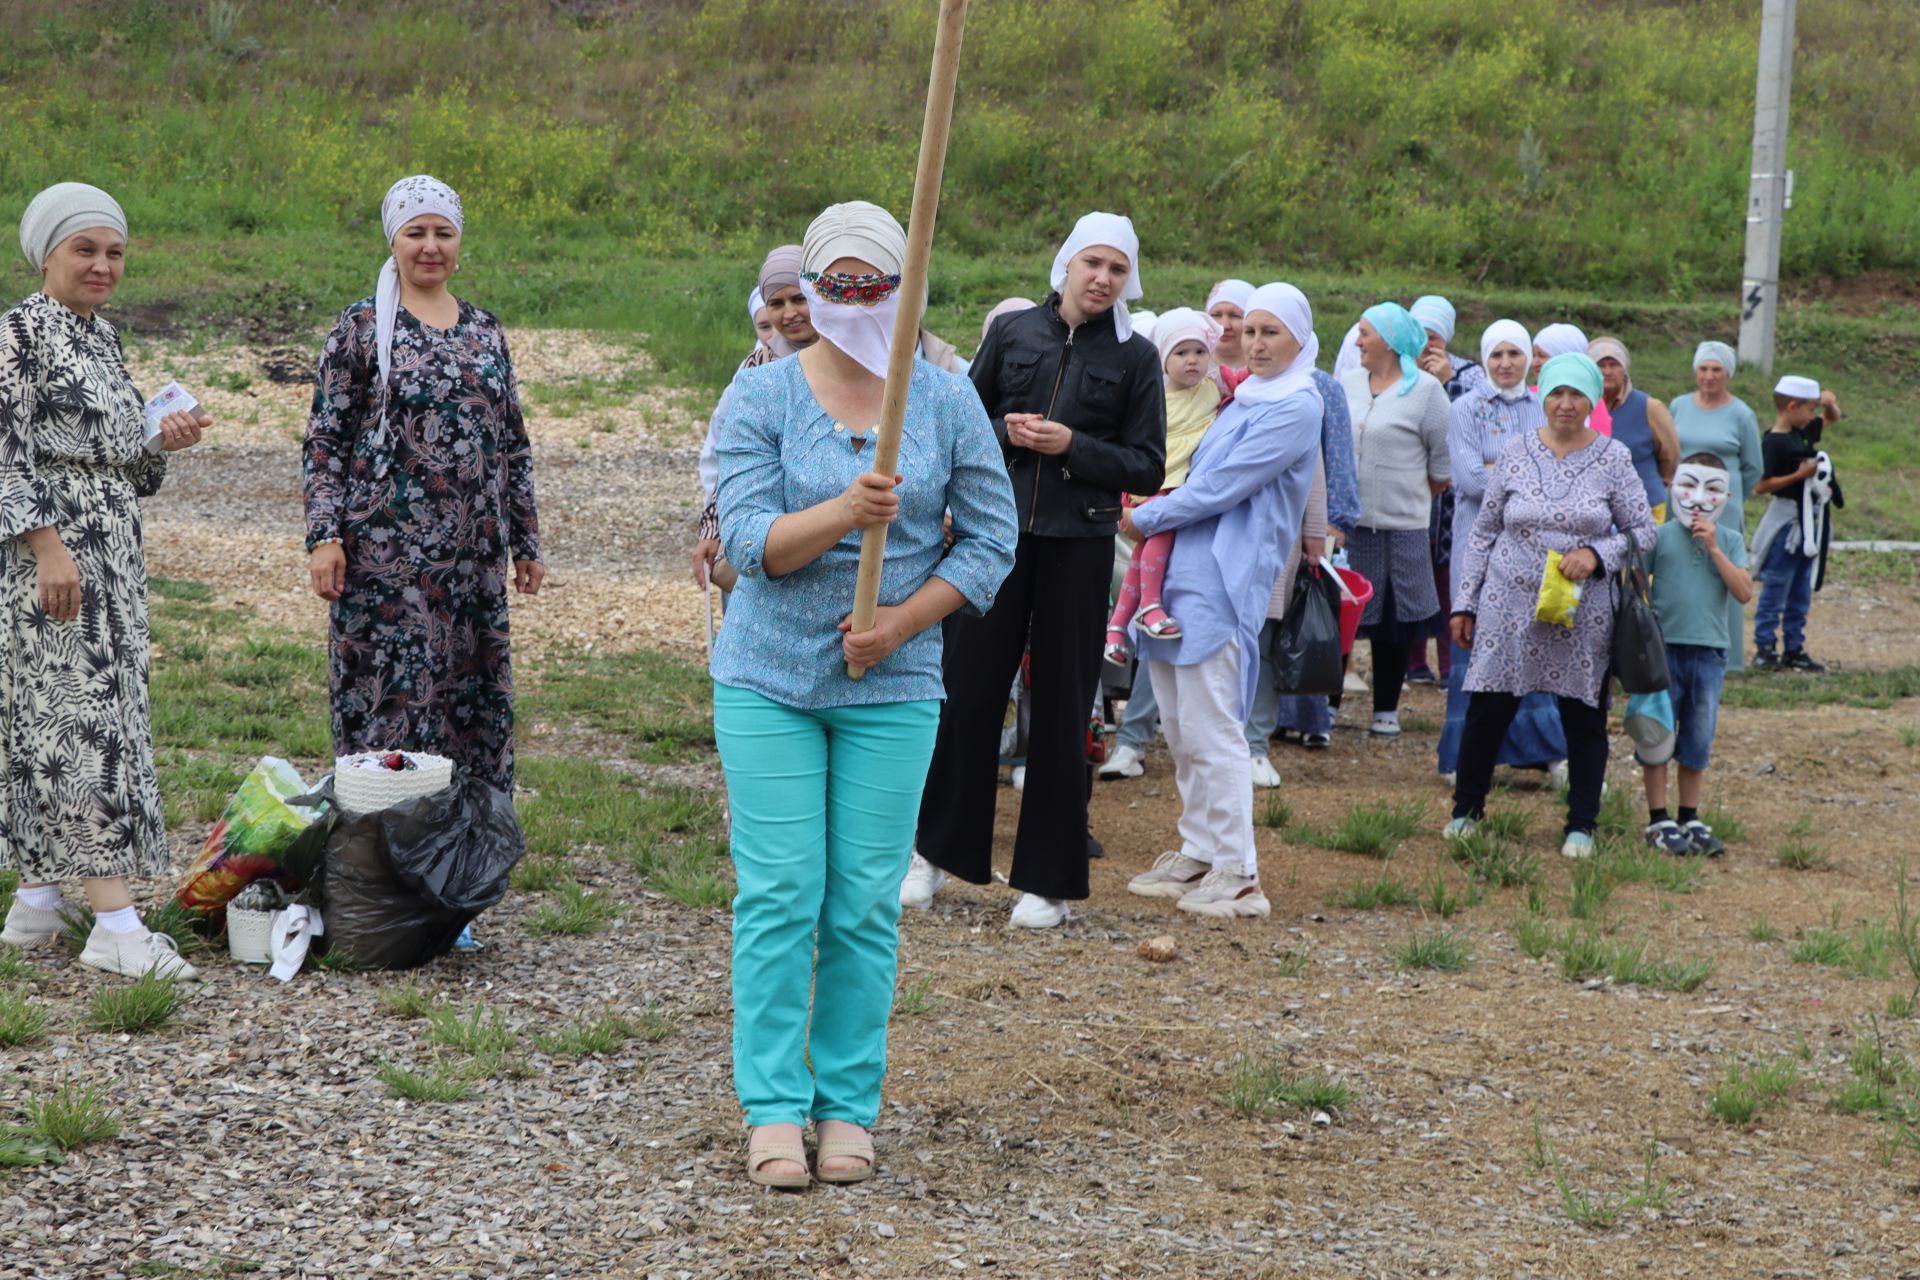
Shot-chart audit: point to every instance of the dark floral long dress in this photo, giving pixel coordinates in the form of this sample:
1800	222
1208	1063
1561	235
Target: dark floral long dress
429	487
78	796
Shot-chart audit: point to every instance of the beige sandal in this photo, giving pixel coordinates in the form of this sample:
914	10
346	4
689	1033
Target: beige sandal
829	1148
764	1149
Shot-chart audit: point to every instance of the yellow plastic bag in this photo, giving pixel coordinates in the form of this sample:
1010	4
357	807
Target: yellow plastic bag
1559	595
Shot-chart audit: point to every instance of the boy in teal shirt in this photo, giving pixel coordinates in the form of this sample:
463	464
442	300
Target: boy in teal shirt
1696	566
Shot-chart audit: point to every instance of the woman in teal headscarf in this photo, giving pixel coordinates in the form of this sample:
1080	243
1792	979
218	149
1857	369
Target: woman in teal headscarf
1400	419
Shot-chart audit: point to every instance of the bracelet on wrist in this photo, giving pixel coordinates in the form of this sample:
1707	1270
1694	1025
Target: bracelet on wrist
314	544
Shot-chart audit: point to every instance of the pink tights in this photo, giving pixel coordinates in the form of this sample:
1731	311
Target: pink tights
1146	577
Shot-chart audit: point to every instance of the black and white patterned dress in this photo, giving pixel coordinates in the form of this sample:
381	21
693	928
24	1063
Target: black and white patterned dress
78	796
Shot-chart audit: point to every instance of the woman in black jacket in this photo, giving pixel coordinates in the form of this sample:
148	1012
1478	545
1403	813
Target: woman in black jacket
1076	399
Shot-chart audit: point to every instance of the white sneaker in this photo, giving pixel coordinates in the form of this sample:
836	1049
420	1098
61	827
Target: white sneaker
31	926
1459	829
1557	775
1578	845
922	882
1125	762
1386	724
1019	777
1264	774
1173	875
134	954
1353	683
1225	894
1036	912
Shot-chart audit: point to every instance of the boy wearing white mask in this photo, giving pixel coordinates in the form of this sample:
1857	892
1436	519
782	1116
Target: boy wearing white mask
1696	566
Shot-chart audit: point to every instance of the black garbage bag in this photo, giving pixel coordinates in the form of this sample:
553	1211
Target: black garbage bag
1306	644
401	884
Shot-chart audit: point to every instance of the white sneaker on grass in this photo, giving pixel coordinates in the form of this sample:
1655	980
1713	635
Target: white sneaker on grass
1578	845
30	926
134	954
922	882
1225	894
1264	774
1125	762
1036	912
1460	829
1173	875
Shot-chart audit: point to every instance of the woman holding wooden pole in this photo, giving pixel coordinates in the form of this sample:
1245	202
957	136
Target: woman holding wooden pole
824	771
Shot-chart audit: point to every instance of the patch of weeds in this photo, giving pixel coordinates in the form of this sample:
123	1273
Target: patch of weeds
1375	829
1910	735
1666	974
333	961
481	1033
1598	1210
1590	890
695	875
187	928
1444	950
911	1002
9	881
76	922
149	1001
1371	895
1275	813
14	966
1900	1005
537	874
1865	951
1800	851
570	804
582	1039
1762	929
441	1084
1619	815
573	912
71	1116
22	1148
407	1000
1745	1090
1533	935
664	703
1291	963
196	788
655	1026
1492	860
1586	953
216	1268
1635	862
1506	824
22	1020
1726	824
1260	1085
1440	899
1768	691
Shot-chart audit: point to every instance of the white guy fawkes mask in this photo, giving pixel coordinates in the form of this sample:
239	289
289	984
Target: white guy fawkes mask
1699	490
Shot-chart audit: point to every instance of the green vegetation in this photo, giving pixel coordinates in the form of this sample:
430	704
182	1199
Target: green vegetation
1600	1210
22	1019
1371	895
407	999
1745	1090
1375	829
662	703
440	1083
574	911
1260	1085
1800	851
144	1004
1439	898
1444	950
1867	950
1776	691
912	1001
582	1038
1493	860
71	1115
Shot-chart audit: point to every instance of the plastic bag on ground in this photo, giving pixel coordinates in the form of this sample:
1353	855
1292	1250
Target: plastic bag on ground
253	838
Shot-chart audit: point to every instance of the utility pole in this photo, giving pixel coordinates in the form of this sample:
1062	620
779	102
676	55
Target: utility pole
1770	187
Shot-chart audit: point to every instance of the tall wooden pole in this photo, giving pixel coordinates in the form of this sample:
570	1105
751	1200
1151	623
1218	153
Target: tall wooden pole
913	293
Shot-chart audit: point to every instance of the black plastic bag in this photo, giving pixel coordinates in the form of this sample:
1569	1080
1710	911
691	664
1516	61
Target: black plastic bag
1639	652
1306	646
401	884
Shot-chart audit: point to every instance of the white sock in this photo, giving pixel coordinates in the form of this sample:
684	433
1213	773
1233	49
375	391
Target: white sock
125	920
45	897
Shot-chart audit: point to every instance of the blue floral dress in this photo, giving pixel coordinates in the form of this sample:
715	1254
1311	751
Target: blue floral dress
428	483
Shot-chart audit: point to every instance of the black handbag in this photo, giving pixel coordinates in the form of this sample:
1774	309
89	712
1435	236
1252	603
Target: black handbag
1306	645
1639	654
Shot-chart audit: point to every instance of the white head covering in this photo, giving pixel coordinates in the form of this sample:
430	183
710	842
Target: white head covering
1289	306
1561	340
1347	358
756	303
1115	232
1144	323
856	229
1716	351
61	210
1435	314
406	200
1232	289
1184	324
1797	387
1507	331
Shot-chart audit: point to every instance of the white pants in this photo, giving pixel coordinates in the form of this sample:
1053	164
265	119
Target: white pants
1200	714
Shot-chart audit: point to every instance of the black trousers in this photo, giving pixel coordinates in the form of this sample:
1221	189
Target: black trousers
1055	603
1488	717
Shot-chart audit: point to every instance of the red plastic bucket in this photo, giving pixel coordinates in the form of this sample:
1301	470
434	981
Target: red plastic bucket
1350	610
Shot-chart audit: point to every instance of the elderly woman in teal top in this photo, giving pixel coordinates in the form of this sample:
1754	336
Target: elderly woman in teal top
1712	421
824	773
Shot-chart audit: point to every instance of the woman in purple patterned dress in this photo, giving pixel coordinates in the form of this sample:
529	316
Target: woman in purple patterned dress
1563	488
419	483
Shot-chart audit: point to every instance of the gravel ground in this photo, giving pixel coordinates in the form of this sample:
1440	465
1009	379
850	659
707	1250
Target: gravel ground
1056	1105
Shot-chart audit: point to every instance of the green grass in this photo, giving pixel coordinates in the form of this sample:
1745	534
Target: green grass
1800	851
1600	1210
582	1038
22	1019
695	875
221	686
1494	860
1440	899
1590	889
187	928
573	804
1773	691
1745	1090
1375	829
1762	929
71	1115
1585	952
145	1004
441	1083
480	1032
1444	950
407	999
1725	823
22	1148
1275	813
915	1000
1506	824
660	703
14	966
1867	950
1261	1085
540	873
1291	963
573	912
1372	894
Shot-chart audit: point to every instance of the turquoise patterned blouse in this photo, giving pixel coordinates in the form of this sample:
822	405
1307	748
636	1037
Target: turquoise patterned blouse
782	453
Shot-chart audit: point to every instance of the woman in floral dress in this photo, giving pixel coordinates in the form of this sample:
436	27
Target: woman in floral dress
78	795
419	487
1564	488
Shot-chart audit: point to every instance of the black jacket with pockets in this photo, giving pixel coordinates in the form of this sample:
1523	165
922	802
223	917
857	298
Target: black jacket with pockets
1110	393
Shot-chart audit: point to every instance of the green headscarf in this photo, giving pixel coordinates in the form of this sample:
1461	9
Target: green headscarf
1572	370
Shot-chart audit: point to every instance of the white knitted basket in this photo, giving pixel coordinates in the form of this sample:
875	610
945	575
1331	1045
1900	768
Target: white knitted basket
358	790
249	935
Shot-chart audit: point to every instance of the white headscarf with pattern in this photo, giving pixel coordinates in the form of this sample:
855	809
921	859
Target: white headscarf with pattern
406	200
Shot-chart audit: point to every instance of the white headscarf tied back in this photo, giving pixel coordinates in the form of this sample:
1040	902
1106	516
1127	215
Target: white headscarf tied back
1561	340
61	210
1115	232
756	303
1232	289
1716	351
1507	331
1289	306
1435	314
856	229
407	199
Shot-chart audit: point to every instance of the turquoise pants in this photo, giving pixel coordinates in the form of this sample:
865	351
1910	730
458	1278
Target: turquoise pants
824	806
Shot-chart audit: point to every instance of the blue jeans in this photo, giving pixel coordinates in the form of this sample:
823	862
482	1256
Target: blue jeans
1786	593
1698	673
824	805
1142	713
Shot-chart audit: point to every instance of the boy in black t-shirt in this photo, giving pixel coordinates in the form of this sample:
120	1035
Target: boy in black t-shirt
1789	541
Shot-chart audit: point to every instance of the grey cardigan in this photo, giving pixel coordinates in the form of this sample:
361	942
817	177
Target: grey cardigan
1400	445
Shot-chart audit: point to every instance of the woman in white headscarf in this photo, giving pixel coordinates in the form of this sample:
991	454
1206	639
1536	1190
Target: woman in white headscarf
1227	307
1238	514
419	491
1713	420
78	796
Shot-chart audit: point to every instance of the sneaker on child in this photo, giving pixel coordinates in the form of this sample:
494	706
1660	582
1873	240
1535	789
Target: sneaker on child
1668	836
1797	660
1173	875
1225	894
1701	839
